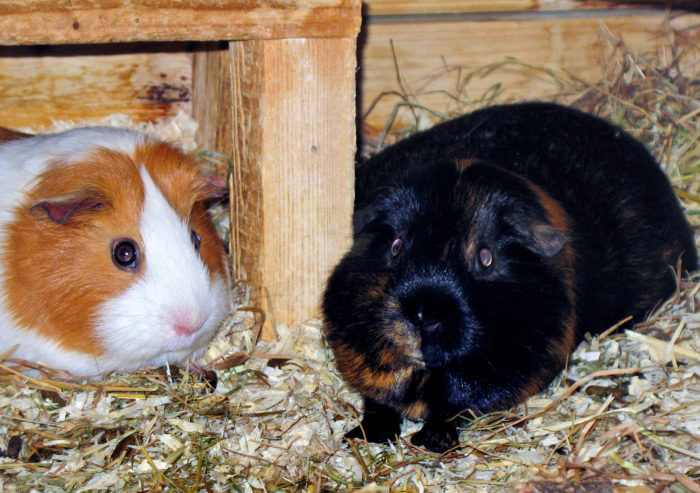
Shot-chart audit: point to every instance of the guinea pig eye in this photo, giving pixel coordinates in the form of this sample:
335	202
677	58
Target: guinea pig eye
125	254
396	247
196	240
485	257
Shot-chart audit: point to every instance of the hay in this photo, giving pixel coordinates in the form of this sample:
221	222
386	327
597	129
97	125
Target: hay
624	416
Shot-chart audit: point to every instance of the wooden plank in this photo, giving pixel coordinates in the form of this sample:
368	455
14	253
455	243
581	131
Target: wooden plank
402	7
292	145
106	21
434	58
416	7
145	82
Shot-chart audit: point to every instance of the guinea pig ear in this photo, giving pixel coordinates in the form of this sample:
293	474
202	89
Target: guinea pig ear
209	187
538	236
61	208
362	217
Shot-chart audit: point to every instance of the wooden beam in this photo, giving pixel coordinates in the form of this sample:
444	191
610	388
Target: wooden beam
434	59
417	7
292	143
105	21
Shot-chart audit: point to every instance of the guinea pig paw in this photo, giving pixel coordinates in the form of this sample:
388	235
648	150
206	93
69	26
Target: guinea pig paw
375	431
437	436
380	424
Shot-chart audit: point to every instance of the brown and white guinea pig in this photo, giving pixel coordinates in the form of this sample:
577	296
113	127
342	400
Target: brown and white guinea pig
108	259
484	249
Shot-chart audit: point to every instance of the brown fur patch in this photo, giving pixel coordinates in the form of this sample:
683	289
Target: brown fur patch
407	343
555	213
562	348
385	370
179	179
58	274
385	386
417	410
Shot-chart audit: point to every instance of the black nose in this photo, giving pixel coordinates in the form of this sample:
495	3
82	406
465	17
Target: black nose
429	310
421	316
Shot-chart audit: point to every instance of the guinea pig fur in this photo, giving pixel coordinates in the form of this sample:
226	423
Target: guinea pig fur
484	250
109	259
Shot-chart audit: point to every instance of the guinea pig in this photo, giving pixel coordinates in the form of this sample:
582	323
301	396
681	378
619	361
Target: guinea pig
109	260
484	249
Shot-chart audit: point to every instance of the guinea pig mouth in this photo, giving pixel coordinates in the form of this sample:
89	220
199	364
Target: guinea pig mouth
407	343
417	361
414	354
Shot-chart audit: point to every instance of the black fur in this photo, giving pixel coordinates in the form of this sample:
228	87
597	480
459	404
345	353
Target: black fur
521	227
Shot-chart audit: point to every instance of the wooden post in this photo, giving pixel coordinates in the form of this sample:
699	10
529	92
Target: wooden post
290	105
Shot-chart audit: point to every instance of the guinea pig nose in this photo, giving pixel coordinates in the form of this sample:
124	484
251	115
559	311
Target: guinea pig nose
185	329
184	323
429	308
425	323
422	315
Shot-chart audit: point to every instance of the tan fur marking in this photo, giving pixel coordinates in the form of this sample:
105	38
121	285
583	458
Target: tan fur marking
563	263
470	247
377	384
407	342
387	358
556	214
388	380
57	274
417	410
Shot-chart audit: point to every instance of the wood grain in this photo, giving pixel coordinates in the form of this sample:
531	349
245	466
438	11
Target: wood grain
416	7
39	85
211	95
106	21
248	192
434	59
308	168
292	144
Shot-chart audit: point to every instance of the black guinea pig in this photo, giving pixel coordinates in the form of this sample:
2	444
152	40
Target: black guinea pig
484	249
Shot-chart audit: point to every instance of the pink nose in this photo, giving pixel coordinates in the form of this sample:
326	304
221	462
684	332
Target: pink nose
185	329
